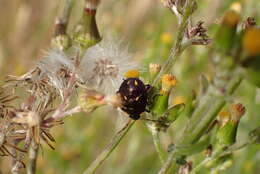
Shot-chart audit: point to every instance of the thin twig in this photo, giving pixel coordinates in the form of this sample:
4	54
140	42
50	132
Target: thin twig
109	149
176	50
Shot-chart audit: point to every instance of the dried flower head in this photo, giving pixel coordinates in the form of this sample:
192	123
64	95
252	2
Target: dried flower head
237	110
5	99
50	76
57	67
9	134
104	65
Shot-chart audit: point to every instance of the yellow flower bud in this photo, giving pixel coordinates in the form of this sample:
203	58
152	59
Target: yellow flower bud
231	18
251	41
154	68
168	82
132	74
224	117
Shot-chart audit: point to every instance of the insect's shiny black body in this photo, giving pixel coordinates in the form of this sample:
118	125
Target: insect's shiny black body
134	96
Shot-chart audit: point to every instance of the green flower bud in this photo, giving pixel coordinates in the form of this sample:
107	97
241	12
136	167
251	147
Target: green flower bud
229	120
160	104
85	41
225	37
86	32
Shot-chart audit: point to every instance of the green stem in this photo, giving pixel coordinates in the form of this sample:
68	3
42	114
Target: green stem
158	146
109	149
176	50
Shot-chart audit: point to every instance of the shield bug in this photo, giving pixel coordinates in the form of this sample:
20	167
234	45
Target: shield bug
134	95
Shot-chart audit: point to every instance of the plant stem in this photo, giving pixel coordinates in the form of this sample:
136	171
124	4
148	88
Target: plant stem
109	149
158	145
33	154
176	50
204	114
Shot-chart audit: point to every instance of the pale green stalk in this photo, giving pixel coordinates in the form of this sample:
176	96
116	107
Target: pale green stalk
109	149
176	50
158	146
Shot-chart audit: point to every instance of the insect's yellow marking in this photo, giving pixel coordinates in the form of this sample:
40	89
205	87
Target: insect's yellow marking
137	98
136	83
125	97
128	83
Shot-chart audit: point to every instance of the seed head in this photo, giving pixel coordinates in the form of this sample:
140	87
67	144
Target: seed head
104	65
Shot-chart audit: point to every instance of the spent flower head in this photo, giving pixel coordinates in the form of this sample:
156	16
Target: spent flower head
56	66
50	76
104	65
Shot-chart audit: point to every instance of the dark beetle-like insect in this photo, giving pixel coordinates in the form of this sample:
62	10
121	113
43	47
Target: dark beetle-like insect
134	96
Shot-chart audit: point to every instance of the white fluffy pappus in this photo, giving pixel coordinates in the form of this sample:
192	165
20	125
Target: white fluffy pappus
103	65
51	66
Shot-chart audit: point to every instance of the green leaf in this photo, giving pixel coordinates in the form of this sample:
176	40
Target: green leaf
173	113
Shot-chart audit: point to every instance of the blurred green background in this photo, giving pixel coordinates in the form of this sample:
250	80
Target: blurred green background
26	28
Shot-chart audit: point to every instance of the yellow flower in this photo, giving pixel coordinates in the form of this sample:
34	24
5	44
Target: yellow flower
251	41
166	38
